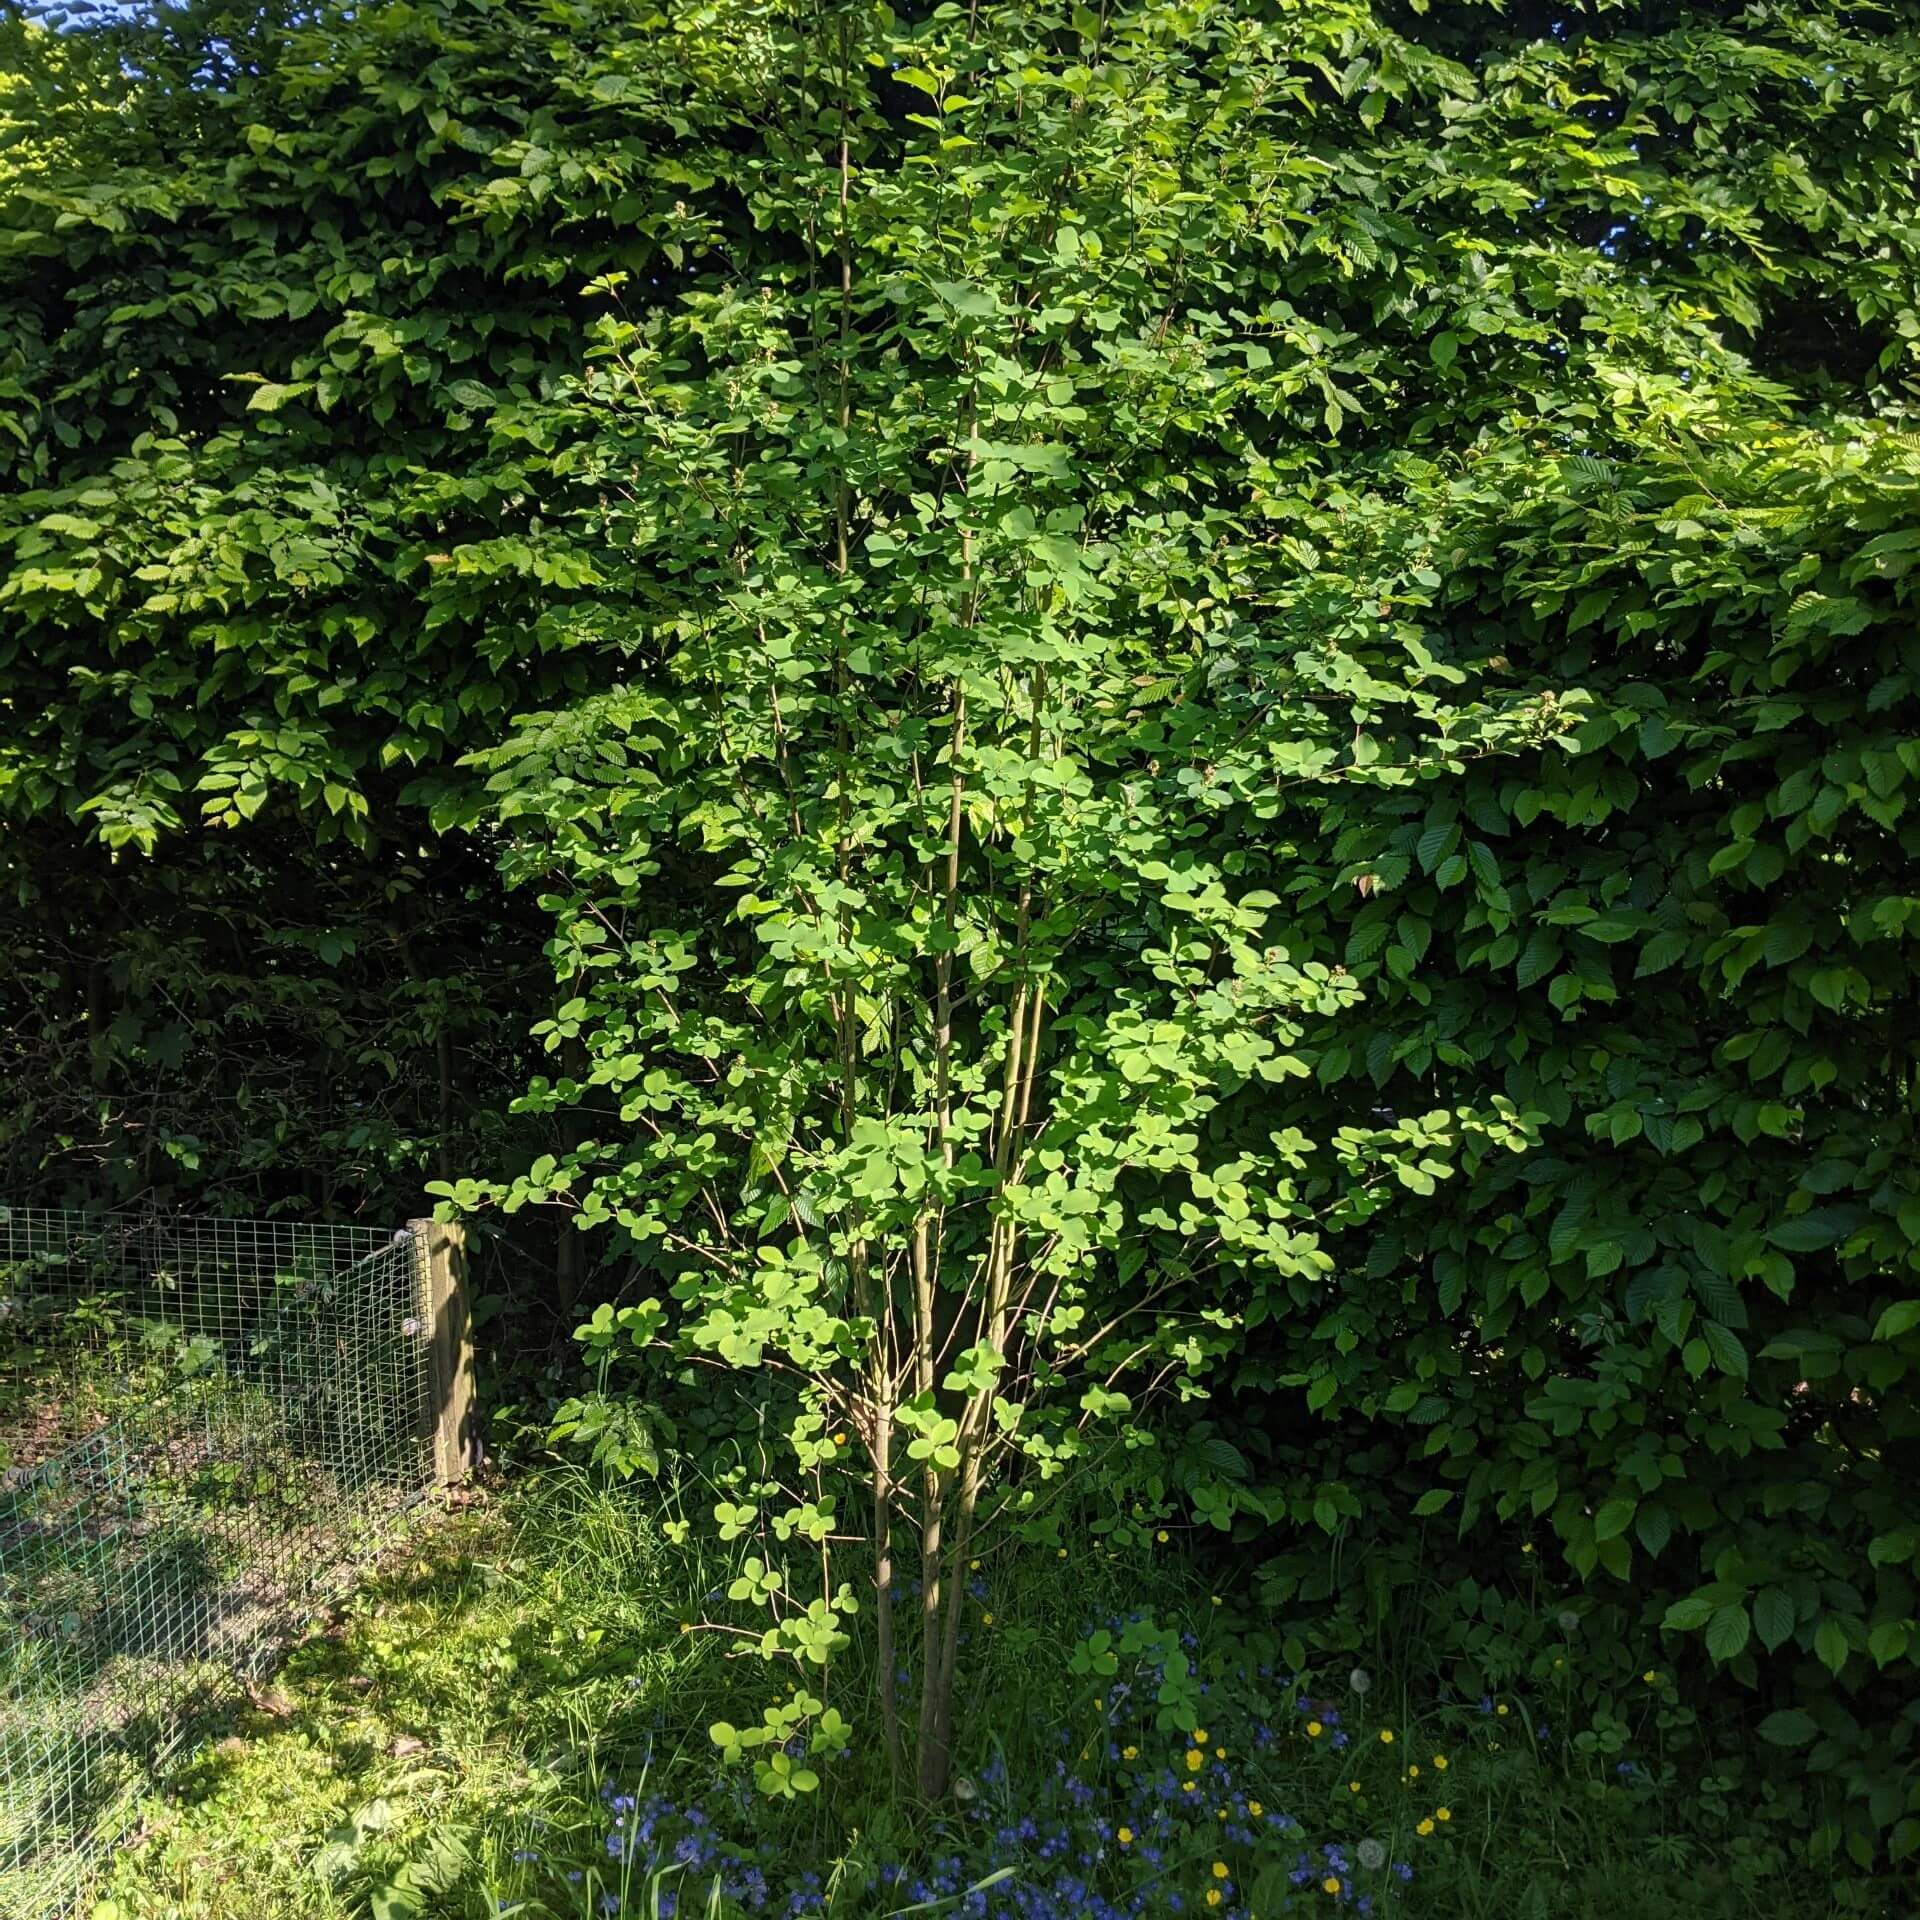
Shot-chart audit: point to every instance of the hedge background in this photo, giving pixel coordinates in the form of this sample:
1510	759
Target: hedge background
1593	347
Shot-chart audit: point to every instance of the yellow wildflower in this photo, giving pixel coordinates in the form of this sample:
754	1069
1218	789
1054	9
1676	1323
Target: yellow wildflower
1253	1808
1213	1896
1061	1554
986	1619
1424	1828
1219	1753
1161	1536
1443	1813
1501	1710
1413	1773
1125	1836
1386	1736
1129	1753
1186	1786
1195	1759
1353	1786
1330	1885
1219	1869
1199	1736
1650	1677
1314	1729
1440	1762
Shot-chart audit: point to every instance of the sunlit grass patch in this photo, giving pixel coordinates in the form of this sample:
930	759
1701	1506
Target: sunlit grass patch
511	1720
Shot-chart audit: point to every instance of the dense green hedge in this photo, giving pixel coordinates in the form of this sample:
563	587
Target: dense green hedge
249	623
1462	489
1675	1339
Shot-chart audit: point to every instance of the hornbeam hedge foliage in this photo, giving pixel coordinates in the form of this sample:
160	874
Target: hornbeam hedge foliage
1167	747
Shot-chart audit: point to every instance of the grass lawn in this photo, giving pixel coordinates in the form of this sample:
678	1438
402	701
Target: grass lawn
512	1719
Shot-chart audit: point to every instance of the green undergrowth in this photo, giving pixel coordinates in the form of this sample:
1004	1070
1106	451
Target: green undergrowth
458	1690
511	1718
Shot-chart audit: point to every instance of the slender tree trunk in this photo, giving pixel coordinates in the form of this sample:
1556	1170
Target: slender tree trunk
883	1580
1023	1048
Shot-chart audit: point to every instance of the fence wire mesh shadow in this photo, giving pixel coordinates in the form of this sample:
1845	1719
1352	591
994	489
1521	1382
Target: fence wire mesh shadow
205	1427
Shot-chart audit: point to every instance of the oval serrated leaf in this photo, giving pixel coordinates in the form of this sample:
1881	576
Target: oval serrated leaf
1773	1616
1728	1632
1614	1519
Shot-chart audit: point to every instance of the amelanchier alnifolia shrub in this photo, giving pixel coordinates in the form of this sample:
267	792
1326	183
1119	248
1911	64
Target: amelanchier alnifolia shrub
938	1039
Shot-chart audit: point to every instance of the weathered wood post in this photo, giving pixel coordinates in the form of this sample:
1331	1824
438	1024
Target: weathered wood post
448	1418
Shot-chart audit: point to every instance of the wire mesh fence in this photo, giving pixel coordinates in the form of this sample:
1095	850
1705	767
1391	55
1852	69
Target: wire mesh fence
205	1426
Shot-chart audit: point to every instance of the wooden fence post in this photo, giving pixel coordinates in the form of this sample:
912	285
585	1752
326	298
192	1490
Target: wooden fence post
448	1419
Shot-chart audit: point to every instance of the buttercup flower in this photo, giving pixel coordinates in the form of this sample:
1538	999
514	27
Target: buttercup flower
1386	1736
1219	1869
1440	1762
1253	1808
1424	1828
1443	1813
1501	1709
1330	1884
1213	1896
1195	1759
1353	1786
1199	1736
1125	1836
1129	1753
1650	1677
1186	1786
1314	1729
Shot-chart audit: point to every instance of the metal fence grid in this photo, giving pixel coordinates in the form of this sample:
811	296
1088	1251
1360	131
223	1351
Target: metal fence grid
205	1427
